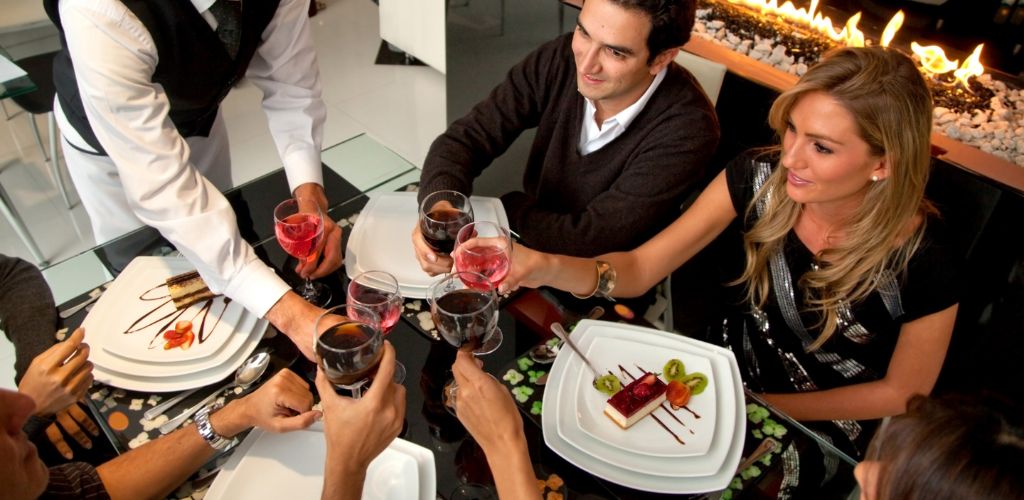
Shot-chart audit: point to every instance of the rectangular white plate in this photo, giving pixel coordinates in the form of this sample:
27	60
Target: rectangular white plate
291	466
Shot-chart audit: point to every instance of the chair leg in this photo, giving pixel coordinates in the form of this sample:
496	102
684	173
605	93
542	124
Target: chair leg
39	137
8	210
55	161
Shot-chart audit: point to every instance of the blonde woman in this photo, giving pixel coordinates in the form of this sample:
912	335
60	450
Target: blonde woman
850	292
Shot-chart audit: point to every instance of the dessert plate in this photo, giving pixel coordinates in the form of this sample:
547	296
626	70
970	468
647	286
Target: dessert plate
646	437
130	318
691	466
381	241
291	465
246	330
174	383
649	482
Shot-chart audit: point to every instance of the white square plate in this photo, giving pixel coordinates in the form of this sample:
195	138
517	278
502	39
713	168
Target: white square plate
138	302
694	474
381	239
646	437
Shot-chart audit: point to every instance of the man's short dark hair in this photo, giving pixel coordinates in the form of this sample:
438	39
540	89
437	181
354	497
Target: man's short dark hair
671	22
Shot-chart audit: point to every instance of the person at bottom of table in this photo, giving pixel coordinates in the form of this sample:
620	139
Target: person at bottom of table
357	431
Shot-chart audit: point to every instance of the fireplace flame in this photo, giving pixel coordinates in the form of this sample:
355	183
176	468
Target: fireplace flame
890	29
932	57
971	66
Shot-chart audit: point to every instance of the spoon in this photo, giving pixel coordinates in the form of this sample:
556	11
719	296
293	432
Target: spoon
246	375
544	353
560	332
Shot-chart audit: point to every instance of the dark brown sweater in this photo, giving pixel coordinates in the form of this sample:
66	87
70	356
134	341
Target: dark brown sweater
610	200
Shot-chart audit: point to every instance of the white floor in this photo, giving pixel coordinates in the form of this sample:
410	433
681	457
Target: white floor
402	107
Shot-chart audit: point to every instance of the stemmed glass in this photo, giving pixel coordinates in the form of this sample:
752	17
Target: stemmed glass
442	215
484	247
299	234
349	348
464	306
377	291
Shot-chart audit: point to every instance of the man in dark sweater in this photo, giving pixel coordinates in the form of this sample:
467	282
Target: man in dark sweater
624	134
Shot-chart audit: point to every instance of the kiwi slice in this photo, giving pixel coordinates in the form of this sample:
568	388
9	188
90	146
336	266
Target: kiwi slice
674	370
697	382
608	384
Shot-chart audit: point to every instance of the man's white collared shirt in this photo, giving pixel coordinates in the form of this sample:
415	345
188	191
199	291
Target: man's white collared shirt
593	137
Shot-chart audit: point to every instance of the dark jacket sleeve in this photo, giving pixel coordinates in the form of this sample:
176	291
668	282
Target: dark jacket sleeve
472	142
28	315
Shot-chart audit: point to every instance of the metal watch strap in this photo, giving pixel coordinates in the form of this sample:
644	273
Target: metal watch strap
207	432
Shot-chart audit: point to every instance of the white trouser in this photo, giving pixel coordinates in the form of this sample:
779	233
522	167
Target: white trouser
99	184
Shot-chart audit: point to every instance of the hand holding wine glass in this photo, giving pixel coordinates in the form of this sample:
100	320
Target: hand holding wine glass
348	350
441	215
299	234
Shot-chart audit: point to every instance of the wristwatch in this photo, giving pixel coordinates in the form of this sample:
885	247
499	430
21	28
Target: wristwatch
605	282
205	428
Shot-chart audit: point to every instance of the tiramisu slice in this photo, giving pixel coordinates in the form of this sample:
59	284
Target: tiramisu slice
187	289
636	400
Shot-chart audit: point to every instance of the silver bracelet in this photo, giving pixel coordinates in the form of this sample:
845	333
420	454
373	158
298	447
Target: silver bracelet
206	430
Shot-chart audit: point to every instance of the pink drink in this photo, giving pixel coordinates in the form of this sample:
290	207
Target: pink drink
489	260
299	234
386	305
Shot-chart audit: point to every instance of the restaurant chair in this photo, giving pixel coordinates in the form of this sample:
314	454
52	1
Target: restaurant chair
40	71
11	214
709	74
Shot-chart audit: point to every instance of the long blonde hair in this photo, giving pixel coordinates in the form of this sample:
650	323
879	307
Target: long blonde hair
887	97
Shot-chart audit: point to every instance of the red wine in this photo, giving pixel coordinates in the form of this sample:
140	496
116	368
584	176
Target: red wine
465	317
360	359
299	234
489	260
440	227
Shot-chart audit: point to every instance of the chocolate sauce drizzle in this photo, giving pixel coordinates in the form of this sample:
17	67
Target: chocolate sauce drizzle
655	417
202	334
687	408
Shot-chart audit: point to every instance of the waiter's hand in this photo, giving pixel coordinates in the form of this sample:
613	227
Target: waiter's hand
312	196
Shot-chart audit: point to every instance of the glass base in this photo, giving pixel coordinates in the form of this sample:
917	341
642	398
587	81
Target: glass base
356	390
491	343
314	292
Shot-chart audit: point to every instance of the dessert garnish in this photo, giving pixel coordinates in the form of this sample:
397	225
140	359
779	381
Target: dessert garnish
697	377
181	336
697	382
608	384
674	370
670	413
678	394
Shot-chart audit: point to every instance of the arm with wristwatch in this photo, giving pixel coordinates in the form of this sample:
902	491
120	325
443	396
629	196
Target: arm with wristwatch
156	468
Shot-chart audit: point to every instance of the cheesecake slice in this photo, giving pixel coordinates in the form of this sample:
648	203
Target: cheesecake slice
636	400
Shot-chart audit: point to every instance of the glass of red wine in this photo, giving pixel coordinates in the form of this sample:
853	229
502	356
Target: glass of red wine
484	247
377	291
299	234
349	348
442	215
466	315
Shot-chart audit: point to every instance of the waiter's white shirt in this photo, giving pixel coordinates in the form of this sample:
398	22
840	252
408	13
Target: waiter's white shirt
114	59
593	137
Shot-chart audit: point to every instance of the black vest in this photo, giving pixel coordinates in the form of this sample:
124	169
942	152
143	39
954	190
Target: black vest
194	68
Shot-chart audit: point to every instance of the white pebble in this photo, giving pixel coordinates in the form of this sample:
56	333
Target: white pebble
699	27
939	111
414	305
720	35
716	24
801	68
153	400
426	320
148	425
733	39
763	47
119	393
139	440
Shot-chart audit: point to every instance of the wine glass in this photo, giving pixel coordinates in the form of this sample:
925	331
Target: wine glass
299	234
348	348
484	247
377	291
442	215
466	315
